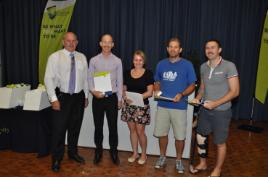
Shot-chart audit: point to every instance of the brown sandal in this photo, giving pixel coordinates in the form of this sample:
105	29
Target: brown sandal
194	170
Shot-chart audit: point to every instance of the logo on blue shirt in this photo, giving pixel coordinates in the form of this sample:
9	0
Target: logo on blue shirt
169	76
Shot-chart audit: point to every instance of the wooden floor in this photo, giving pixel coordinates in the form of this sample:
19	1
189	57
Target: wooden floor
247	157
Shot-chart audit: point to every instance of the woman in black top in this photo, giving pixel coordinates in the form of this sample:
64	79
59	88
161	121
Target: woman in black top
139	80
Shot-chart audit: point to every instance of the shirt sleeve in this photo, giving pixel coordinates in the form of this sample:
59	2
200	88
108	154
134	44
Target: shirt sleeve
91	71
85	77
231	70
191	74
202	72
119	80
50	78
149	78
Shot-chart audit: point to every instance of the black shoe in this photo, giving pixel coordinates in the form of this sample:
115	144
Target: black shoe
55	165
77	158
114	156
98	156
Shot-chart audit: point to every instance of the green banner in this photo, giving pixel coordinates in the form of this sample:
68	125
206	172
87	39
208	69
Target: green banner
262	75
55	23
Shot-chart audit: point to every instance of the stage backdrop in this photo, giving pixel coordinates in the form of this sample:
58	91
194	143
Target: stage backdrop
146	25
55	23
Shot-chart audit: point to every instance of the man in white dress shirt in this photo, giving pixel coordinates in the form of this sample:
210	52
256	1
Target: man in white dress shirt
67	70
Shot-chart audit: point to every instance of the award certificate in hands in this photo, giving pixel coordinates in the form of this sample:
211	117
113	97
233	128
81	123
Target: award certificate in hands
195	104
102	82
158	97
136	98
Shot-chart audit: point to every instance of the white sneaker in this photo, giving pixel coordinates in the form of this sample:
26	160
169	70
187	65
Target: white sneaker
179	166
161	162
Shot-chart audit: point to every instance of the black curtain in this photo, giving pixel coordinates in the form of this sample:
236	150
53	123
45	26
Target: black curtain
146	25
1	43
20	23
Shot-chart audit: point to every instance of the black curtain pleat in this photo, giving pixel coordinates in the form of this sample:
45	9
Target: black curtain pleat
146	25
20	40
2	54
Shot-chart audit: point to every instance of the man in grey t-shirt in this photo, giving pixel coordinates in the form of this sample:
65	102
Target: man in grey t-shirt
219	85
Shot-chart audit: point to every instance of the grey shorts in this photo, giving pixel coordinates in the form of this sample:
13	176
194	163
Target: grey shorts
214	121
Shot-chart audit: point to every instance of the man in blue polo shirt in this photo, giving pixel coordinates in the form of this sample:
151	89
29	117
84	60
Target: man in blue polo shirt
219	85
175	78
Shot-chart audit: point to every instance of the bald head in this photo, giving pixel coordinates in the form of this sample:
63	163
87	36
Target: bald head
106	37
69	34
70	41
106	44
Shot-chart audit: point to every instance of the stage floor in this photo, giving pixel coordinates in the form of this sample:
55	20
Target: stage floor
247	157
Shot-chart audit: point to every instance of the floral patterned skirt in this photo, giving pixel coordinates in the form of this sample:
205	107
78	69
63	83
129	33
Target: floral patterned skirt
140	115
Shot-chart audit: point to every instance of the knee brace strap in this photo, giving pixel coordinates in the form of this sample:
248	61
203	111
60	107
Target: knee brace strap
202	145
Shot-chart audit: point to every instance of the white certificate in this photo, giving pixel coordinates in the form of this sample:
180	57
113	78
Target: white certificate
158	97
102	82
162	98
136	98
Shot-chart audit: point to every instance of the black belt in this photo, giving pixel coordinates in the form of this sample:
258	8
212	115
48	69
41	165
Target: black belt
71	94
107	96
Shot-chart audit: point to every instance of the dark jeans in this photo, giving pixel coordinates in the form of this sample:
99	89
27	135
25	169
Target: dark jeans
107	105
69	118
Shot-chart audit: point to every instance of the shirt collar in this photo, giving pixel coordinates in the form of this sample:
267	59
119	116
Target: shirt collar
66	52
175	61
106	56
208	63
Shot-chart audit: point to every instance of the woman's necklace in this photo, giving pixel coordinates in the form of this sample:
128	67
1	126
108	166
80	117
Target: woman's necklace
136	73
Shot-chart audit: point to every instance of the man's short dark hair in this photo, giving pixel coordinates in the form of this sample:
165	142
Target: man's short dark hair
175	39
214	40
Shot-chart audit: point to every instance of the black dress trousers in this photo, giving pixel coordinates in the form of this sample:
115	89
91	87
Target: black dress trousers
109	106
69	119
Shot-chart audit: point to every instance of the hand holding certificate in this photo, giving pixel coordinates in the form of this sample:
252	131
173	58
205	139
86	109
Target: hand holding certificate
102	82
136	98
158	97
194	102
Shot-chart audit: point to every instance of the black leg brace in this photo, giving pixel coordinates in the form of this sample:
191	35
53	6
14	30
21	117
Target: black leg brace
202	145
